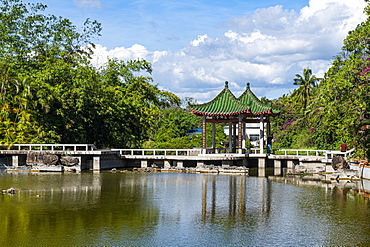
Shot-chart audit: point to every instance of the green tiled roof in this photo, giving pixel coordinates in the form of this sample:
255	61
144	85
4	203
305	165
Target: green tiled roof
248	98
226	104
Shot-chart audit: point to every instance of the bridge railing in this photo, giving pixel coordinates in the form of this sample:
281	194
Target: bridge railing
174	152
227	150
194	152
300	152
159	152
347	154
181	152
329	154
50	147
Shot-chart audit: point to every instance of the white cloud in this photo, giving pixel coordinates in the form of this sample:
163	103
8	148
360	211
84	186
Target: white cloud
200	40
266	49
246	38
101	54
88	3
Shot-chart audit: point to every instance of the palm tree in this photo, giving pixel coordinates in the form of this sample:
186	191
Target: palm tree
306	84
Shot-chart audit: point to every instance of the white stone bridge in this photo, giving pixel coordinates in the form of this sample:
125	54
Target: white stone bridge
95	159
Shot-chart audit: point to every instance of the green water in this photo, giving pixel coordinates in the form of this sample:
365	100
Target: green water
159	209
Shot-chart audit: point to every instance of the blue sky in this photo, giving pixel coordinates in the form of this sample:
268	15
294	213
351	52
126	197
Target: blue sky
196	45
159	24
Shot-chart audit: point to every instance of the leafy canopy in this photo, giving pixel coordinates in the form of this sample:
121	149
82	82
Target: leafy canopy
51	93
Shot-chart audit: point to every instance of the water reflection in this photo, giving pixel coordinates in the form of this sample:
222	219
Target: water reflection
64	209
182	209
343	208
235	208
340	188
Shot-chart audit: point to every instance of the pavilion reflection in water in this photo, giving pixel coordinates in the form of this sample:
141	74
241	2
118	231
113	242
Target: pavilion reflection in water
234	196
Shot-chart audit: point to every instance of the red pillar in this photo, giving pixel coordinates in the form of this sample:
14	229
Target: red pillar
240	134
204	133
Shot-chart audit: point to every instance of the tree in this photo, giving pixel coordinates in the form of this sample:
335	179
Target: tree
38	54
28	35
50	92
134	104
17	117
306	84
170	131
344	94
336	111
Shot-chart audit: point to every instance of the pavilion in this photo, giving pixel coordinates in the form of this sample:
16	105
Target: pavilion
226	108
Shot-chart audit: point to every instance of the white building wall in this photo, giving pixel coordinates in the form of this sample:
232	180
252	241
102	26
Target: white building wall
252	130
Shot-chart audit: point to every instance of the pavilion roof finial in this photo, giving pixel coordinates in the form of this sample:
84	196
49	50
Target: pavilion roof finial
248	85
226	84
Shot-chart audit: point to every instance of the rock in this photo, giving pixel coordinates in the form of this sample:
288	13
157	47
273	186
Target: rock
51	159
69	161
11	191
41	157
339	162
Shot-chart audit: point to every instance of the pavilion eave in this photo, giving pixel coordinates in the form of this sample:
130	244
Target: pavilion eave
220	114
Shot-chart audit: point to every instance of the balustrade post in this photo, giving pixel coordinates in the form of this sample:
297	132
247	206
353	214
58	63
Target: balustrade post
96	163
167	164
180	164
261	167
144	163
290	164
200	163
277	167
15	160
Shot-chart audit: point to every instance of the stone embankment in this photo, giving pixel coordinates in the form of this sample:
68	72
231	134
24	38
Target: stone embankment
46	161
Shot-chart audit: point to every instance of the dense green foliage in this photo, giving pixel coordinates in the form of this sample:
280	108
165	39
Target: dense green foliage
335	109
51	93
170	130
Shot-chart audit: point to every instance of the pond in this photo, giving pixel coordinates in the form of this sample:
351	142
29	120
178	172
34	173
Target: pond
173	209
